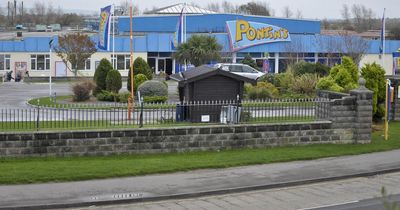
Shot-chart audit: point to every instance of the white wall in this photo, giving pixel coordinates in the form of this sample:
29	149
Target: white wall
387	58
26	57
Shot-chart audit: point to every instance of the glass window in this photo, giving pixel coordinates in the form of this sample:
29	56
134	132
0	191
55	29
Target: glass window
40	62
5	62
248	69
121	62
235	68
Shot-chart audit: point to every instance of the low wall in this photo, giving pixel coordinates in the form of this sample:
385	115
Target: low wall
139	141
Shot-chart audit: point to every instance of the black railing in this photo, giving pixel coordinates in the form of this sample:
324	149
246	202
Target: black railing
89	116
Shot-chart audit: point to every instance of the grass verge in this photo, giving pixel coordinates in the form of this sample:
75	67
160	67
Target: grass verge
57	169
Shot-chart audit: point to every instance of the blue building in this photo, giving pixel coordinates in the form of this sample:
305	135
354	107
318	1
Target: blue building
275	41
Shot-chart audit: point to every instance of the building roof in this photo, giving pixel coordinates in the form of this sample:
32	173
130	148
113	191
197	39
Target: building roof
203	72
177	9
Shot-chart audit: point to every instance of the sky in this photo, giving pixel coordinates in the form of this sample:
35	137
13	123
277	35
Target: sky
310	9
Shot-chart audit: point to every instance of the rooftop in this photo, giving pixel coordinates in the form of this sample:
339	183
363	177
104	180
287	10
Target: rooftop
177	9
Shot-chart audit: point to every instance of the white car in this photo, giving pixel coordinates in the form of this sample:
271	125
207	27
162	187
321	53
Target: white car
240	69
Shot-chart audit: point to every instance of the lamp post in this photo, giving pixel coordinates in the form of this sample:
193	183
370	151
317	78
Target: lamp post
50	45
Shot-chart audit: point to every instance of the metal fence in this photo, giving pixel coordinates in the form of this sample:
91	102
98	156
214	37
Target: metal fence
89	116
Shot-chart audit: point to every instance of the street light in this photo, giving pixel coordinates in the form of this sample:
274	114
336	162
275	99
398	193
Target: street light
50	45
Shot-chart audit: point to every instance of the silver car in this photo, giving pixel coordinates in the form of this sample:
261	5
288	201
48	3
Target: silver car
240	69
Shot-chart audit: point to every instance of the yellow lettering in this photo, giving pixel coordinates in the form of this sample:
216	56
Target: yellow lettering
285	33
242	26
260	33
269	32
251	34
277	34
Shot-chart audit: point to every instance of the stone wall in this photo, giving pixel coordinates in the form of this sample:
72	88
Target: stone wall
138	141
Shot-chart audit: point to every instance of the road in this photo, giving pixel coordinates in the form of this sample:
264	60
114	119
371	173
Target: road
354	194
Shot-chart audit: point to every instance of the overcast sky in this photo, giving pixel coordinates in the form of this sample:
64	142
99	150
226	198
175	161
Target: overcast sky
312	9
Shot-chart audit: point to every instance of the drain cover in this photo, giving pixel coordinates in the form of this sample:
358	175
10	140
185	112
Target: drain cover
127	195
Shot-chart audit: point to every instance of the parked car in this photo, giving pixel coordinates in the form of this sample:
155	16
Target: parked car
240	69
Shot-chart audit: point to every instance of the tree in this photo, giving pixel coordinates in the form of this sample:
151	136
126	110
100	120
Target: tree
113	81
140	66
374	76
75	49
395	32
346	17
352	46
255	8
287	13
299	14
248	60
228	7
123	8
100	75
213	7
199	50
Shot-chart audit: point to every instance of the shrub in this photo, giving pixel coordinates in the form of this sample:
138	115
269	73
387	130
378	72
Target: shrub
305	84
105	96
100	75
113	81
140	66
303	67
139	79
374	76
327	83
344	76
248	60
82	90
123	97
270	78
263	90
155	99
153	88
286	80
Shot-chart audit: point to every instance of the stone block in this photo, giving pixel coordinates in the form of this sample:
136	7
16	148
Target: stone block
204	130
92	135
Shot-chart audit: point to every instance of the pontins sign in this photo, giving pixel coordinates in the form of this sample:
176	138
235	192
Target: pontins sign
244	34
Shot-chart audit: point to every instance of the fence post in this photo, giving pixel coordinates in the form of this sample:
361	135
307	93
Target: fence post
141	114
363	118
37	117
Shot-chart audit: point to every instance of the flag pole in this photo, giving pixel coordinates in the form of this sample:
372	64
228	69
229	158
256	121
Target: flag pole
383	33
131	60
113	48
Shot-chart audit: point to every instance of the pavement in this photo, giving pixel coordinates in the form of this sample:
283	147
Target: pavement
195	183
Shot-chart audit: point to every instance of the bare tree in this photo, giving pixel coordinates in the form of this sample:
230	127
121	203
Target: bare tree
353	46
287	13
123	8
255	8
299	14
363	17
228	7
39	10
213	7
346	17
51	14
74	49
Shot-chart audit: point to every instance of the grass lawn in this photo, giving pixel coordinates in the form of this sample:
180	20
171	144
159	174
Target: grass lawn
34	170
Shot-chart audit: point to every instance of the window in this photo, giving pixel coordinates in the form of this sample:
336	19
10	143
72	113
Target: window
40	62
121	62
4	62
248	69
85	66
235	68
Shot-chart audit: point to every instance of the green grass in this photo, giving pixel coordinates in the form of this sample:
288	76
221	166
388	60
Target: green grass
57	169
47	101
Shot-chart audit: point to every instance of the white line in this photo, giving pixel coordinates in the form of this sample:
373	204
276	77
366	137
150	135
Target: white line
336	204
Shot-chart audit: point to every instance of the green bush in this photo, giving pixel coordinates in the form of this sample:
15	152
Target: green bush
286	80
105	96
270	78
155	99
248	60
303	67
113	81
139	79
263	90
342	77
82	90
327	83
123	97
374	76
140	66
153	88
305	84
100	75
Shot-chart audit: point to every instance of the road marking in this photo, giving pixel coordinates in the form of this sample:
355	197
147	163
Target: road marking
324	206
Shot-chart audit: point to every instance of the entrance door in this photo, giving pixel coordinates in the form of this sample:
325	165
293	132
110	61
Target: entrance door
168	66
161	64
61	69
152	64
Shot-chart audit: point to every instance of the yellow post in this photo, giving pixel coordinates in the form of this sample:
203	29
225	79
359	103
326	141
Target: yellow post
387	111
